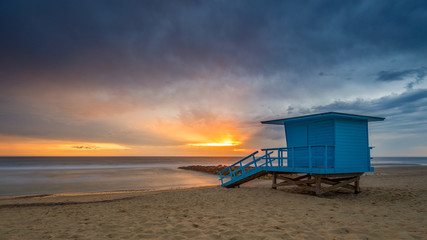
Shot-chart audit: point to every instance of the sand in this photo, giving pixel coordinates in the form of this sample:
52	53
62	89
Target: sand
392	205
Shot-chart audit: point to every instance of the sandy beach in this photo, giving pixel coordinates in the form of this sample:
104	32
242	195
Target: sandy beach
392	205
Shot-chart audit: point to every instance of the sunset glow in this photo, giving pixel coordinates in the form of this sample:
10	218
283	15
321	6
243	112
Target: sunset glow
89	146
214	144
17	146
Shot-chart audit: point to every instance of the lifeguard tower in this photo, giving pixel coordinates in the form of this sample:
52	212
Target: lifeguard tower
329	148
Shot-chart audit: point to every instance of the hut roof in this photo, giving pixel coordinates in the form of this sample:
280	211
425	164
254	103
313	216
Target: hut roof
322	115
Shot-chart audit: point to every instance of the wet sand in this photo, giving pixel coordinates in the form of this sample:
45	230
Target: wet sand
392	205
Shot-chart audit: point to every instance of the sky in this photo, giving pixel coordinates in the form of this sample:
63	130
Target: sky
195	78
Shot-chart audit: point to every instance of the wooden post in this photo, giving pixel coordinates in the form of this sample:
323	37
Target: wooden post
274	181
357	185
318	184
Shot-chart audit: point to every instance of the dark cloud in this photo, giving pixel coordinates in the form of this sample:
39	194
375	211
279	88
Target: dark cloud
405	113
389	76
165	41
165	47
408	101
84	147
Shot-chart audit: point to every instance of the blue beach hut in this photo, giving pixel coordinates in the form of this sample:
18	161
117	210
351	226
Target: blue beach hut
330	148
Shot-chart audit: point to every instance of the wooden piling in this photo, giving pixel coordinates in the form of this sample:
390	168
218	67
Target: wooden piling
274	186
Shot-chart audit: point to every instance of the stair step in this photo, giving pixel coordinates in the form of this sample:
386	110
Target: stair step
246	179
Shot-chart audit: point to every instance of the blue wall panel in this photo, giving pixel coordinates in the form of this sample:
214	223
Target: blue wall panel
296	134
310	133
321	133
351	141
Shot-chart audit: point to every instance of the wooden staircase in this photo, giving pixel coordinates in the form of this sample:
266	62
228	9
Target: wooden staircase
245	170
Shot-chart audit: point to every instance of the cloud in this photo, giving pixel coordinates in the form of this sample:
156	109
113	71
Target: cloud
158	43
410	101
84	147
49	124
389	76
150	54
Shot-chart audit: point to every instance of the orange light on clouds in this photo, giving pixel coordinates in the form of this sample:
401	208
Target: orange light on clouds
17	146
242	150
172	137
212	136
89	146
215	144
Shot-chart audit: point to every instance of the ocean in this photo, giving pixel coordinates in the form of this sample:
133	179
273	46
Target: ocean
50	175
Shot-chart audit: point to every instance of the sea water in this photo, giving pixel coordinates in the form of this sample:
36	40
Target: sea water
398	161
49	175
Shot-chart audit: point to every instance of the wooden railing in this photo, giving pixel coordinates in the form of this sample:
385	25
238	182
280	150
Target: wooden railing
244	166
291	152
